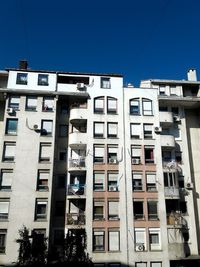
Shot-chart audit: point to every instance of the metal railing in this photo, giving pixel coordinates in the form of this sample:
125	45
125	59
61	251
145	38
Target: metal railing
77	163
76	189
75	218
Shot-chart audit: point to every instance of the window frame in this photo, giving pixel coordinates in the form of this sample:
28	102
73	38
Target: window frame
3	235
8	131
108	130
100	247
39	179
41	216
44	159
16	104
6	188
109	240
5	215
132	109
46	132
29	107
111	110
41	77
22	78
147	112
100	110
100	134
105	82
99	187
9	158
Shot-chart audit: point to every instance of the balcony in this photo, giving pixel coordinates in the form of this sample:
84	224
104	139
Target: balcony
176	219
76	190
167	141
172	192
75	219
78	115
77	140
166	118
77	164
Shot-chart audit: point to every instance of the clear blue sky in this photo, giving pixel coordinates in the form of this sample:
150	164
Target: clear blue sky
140	39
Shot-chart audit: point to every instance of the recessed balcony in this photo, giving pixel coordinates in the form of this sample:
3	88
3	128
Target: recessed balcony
76	219
77	164
172	192
78	115
77	140
166	118
76	190
167	141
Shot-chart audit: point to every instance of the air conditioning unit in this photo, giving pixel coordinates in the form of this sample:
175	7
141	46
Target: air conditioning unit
80	86
140	247
113	161
189	186
177	118
10	110
112	188
136	161
157	129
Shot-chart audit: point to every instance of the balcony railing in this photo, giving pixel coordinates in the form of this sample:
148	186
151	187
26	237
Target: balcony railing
176	219
77	163
76	189
171	191
75	219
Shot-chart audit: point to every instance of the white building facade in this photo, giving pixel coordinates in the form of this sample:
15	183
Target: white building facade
80	152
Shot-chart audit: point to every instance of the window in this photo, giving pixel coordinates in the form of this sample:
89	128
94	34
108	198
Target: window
148	131
99	105
99	178
173	90
170	179
6	179
98	241
41	209
3	233
11	126
48	104
112	154
60	208
135	107
22	78
82	128
31	103
140	264
113	181
147	107
43	79
46	127
135	130
136	154
140	239
113	240
149	154
154	239
137	181
63	130
112	129
111	105
45	152
98	154
14	102
162	89
39	236
151	181
9	151
138	209
4	208
113	210
42	181
152	209
99	129
105	83
156	264
98	210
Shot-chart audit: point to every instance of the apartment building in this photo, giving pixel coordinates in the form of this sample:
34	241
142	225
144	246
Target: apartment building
82	153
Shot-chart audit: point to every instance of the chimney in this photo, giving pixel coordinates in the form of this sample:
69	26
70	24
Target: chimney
192	75
23	64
